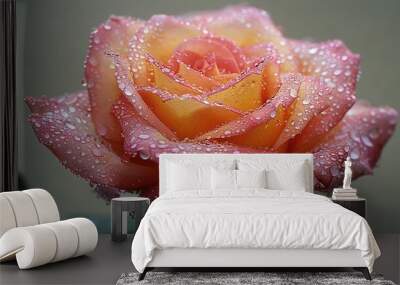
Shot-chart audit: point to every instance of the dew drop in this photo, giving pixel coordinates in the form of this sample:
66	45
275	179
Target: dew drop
337	72
144	136
366	141
128	91
97	152
374	134
96	40
334	171
354	136
70	126
355	154
313	50
93	61
144	155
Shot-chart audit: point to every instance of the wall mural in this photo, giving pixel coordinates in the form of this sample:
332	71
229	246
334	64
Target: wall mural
213	82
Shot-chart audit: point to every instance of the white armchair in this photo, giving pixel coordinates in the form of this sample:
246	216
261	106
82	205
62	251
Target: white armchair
31	230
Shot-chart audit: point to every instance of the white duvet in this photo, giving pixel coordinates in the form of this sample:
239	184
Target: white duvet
253	218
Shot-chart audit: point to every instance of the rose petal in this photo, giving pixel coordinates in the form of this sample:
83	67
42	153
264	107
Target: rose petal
338	67
263	136
78	100
255	52
125	83
189	119
101	84
149	143
187	115
262	116
245	92
165	78
228	57
313	98
245	95
196	78
159	31
361	135
67	130
224	78
271	71
247	26
166	96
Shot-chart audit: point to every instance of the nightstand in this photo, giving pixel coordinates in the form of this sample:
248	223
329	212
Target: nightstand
121	209
358	205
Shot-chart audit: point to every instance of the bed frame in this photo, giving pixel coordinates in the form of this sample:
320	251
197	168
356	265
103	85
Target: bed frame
246	259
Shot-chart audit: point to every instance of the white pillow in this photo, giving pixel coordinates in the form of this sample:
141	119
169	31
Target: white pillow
292	178
223	179
281	175
182	177
251	178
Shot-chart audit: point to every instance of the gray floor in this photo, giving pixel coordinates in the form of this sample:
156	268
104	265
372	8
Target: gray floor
110	260
103	266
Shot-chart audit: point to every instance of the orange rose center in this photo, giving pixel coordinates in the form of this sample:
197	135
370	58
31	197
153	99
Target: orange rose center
209	55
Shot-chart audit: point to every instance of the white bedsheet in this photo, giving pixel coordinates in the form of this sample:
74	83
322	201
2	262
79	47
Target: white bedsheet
250	218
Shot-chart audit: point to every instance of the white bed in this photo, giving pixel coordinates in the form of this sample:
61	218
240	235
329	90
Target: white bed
248	227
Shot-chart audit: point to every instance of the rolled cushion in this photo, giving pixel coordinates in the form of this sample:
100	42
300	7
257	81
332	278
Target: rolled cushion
87	234
46	207
32	246
67	240
7	219
26	208
23	208
40	244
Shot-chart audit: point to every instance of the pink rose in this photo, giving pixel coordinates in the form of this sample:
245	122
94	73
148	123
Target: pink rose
213	82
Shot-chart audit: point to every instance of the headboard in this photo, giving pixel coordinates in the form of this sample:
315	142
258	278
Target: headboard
209	159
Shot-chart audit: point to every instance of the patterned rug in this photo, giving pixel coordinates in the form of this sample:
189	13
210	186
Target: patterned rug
244	278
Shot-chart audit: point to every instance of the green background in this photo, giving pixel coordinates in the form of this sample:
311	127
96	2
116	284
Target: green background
52	42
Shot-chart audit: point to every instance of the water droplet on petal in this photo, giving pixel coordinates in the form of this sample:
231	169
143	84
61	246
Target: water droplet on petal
334	171
355	154
337	72
227	132
313	50
97	152
70	126
144	155
128	91
93	61
367	141
374	134
144	136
